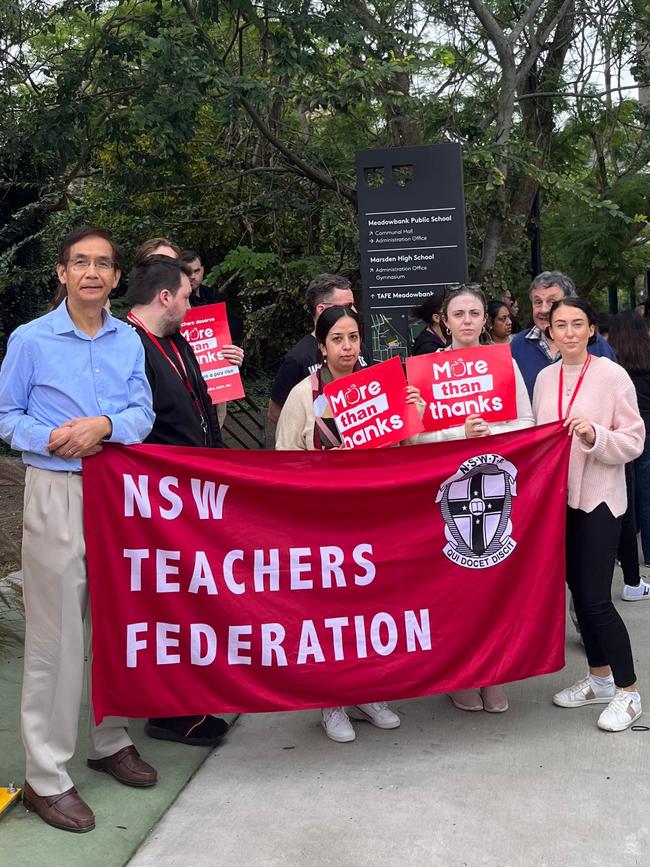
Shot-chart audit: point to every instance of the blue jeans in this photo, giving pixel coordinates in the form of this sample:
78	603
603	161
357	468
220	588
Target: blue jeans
642	484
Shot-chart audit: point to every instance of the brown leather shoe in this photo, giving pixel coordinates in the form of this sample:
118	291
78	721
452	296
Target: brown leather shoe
66	811
127	767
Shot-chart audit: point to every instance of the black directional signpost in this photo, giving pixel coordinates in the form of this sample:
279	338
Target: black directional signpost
412	228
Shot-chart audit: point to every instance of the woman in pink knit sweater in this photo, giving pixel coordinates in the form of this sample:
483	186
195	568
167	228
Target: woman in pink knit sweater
598	400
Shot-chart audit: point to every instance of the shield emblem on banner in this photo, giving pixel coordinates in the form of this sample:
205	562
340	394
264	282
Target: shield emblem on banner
476	505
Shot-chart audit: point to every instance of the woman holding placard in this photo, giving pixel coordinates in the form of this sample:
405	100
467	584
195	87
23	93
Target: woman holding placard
464	315
306	423
607	434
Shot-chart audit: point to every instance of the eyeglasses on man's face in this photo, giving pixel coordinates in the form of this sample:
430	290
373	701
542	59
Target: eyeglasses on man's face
83	263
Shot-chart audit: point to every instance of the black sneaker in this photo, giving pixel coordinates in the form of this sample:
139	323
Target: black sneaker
197	731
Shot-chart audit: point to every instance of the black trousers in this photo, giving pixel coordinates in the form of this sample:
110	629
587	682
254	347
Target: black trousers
591	543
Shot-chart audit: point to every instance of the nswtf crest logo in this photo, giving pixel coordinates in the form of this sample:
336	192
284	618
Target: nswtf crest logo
476	503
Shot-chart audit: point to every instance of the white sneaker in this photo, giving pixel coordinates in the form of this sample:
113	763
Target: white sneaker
584	692
378	713
620	713
337	725
636	594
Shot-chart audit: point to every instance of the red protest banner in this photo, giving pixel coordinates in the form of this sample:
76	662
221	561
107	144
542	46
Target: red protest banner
370	408
206	329
460	382
261	581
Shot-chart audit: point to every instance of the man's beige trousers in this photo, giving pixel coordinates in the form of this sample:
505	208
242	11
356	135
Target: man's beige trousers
56	604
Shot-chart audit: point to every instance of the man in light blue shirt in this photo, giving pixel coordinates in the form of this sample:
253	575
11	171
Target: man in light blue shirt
70	381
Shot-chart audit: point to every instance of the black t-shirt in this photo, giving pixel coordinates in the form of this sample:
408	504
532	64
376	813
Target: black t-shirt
301	360
427	341
178	423
210	295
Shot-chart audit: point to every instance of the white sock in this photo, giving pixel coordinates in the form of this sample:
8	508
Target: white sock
602	682
633	695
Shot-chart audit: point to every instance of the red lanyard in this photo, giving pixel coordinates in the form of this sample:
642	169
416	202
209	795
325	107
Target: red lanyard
184	377
575	391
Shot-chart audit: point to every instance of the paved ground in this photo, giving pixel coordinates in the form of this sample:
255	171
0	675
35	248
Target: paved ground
538	785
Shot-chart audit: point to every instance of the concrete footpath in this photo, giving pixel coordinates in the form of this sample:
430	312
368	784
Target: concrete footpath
538	785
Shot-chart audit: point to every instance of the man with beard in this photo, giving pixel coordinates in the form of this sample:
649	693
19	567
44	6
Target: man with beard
533	349
159	293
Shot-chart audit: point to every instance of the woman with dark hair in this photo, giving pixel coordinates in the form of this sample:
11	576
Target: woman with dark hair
606	434
433	337
306	423
499	322
628	335
464	314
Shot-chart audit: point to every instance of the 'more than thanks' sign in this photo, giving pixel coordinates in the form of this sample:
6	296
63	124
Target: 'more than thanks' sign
370	408
463	382
412	234
206	330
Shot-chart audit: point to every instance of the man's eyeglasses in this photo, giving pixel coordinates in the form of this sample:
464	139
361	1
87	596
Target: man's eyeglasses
82	263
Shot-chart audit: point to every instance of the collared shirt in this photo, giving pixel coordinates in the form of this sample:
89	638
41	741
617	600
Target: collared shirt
537	337
53	373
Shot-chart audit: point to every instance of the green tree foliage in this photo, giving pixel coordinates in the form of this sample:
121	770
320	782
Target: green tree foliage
232	127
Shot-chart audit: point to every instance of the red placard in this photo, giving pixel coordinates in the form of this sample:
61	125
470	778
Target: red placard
462	382
206	330
257	581
370	408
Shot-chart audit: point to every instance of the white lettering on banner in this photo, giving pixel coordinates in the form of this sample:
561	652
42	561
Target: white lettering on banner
136	556
133	643
420	632
202	576
175	502
297	567
336	624
360	560
164	570
332	639
270	569
236	644
164	642
379	620
272	638
324	566
360	635
309	644
228	575
332	559
136	492
208	497
202	633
